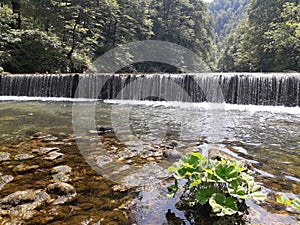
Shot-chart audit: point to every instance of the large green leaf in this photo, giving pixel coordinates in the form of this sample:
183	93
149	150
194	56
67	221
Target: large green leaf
226	172
223	206
258	196
199	156
204	194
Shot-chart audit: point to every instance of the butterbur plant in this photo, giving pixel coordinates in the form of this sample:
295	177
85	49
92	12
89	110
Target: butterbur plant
224	185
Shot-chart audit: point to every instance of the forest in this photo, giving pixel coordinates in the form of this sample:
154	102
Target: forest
47	36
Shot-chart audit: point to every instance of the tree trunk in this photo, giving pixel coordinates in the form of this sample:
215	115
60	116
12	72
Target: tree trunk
16	7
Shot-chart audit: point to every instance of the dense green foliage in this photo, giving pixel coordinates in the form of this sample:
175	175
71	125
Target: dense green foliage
227	15
266	40
224	185
67	35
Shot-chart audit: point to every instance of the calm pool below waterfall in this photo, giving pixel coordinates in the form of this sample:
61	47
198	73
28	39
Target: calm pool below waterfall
144	133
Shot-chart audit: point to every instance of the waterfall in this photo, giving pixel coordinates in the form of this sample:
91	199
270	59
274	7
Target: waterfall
247	89
38	85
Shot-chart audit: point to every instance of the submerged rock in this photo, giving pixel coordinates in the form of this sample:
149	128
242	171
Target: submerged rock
127	154
23	156
173	144
44	136
21	204
101	129
61	169
22	168
51	153
119	188
145	154
54	155
148	176
64	191
172	154
103	160
45	151
4	156
18	198
61	188
50	138
93	132
61	173
5	179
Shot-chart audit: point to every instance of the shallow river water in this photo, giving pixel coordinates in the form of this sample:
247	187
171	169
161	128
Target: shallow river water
119	172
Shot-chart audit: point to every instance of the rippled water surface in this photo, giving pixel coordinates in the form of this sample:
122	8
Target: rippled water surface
269	137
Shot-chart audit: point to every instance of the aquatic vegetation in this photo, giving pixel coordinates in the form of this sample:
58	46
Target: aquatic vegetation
294	203
221	185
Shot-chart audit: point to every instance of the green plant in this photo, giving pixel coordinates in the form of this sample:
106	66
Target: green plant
295	203
222	184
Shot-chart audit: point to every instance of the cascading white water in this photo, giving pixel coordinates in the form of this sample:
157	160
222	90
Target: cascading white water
245	89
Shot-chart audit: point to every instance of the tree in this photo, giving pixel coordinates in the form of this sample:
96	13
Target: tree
184	22
82	30
32	51
7	18
267	40
227	15
283	39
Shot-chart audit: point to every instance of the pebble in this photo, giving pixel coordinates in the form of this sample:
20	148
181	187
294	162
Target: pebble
151	159
104	129
61	173
45	137
172	154
5	179
93	132
61	169
22	168
64	191
44	150
61	188
23	156
50	138
119	188
103	160
4	156
56	143
173	144
54	155
18	198
21	204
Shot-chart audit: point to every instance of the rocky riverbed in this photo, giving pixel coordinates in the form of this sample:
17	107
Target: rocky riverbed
45	180
116	178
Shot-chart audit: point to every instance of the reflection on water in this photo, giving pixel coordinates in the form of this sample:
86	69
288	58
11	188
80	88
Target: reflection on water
270	140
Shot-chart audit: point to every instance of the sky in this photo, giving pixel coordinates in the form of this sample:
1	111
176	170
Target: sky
208	0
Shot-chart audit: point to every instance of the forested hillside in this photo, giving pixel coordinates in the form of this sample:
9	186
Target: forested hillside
227	15
266	40
67	35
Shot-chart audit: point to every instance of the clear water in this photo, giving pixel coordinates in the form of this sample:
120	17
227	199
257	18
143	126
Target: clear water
269	137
